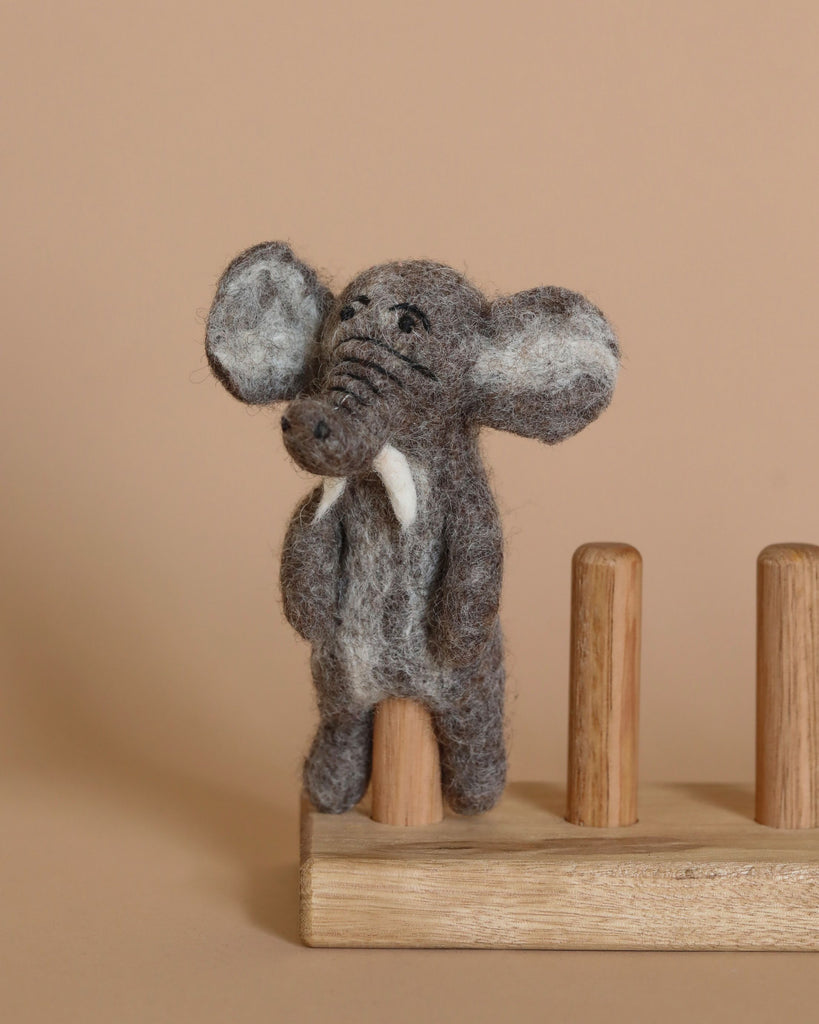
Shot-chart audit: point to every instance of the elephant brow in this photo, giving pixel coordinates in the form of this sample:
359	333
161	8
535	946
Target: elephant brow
370	365
419	367
352	394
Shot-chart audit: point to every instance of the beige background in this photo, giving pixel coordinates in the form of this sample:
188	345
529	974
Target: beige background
661	157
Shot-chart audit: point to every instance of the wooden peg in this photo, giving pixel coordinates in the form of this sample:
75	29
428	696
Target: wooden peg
787	686
604	685
406	777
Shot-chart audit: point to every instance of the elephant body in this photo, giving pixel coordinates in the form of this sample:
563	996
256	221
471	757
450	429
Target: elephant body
391	568
363	589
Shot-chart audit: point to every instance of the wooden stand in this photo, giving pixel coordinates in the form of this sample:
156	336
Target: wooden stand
787	735
406	779
695	871
604	685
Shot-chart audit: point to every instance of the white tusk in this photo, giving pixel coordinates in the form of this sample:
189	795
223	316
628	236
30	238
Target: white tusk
396	475
393	468
332	490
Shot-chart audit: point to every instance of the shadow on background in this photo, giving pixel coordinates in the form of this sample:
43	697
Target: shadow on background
734	797
57	730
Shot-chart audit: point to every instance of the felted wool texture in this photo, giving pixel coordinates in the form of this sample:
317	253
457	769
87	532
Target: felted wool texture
549	366
261	329
391	568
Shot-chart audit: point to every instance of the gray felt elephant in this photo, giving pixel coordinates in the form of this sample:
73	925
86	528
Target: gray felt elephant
391	567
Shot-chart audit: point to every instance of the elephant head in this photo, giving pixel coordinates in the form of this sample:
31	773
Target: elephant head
409	354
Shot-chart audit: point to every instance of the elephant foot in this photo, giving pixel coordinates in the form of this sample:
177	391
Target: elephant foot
337	769
474	793
473	758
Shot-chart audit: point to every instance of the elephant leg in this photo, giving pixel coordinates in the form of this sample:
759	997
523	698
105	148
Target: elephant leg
470	730
337	769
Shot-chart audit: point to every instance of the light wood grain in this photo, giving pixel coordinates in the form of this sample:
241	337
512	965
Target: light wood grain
406	776
604	689
787	738
696	872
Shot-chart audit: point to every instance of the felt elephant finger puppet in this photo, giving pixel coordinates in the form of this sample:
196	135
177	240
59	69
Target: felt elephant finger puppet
391	567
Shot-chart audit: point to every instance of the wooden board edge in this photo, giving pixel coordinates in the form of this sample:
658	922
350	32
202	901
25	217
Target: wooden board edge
329	918
306	932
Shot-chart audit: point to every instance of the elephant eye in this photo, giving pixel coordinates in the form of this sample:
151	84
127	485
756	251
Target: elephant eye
410	317
348	312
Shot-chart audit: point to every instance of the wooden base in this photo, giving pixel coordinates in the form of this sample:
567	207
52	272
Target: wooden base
696	872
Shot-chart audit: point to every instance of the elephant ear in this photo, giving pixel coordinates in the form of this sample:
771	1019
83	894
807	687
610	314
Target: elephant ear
263	326
547	367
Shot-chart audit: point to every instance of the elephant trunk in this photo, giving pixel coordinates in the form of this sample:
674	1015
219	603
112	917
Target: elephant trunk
329	438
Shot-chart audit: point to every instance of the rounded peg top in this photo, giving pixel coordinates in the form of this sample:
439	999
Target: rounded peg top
784	554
